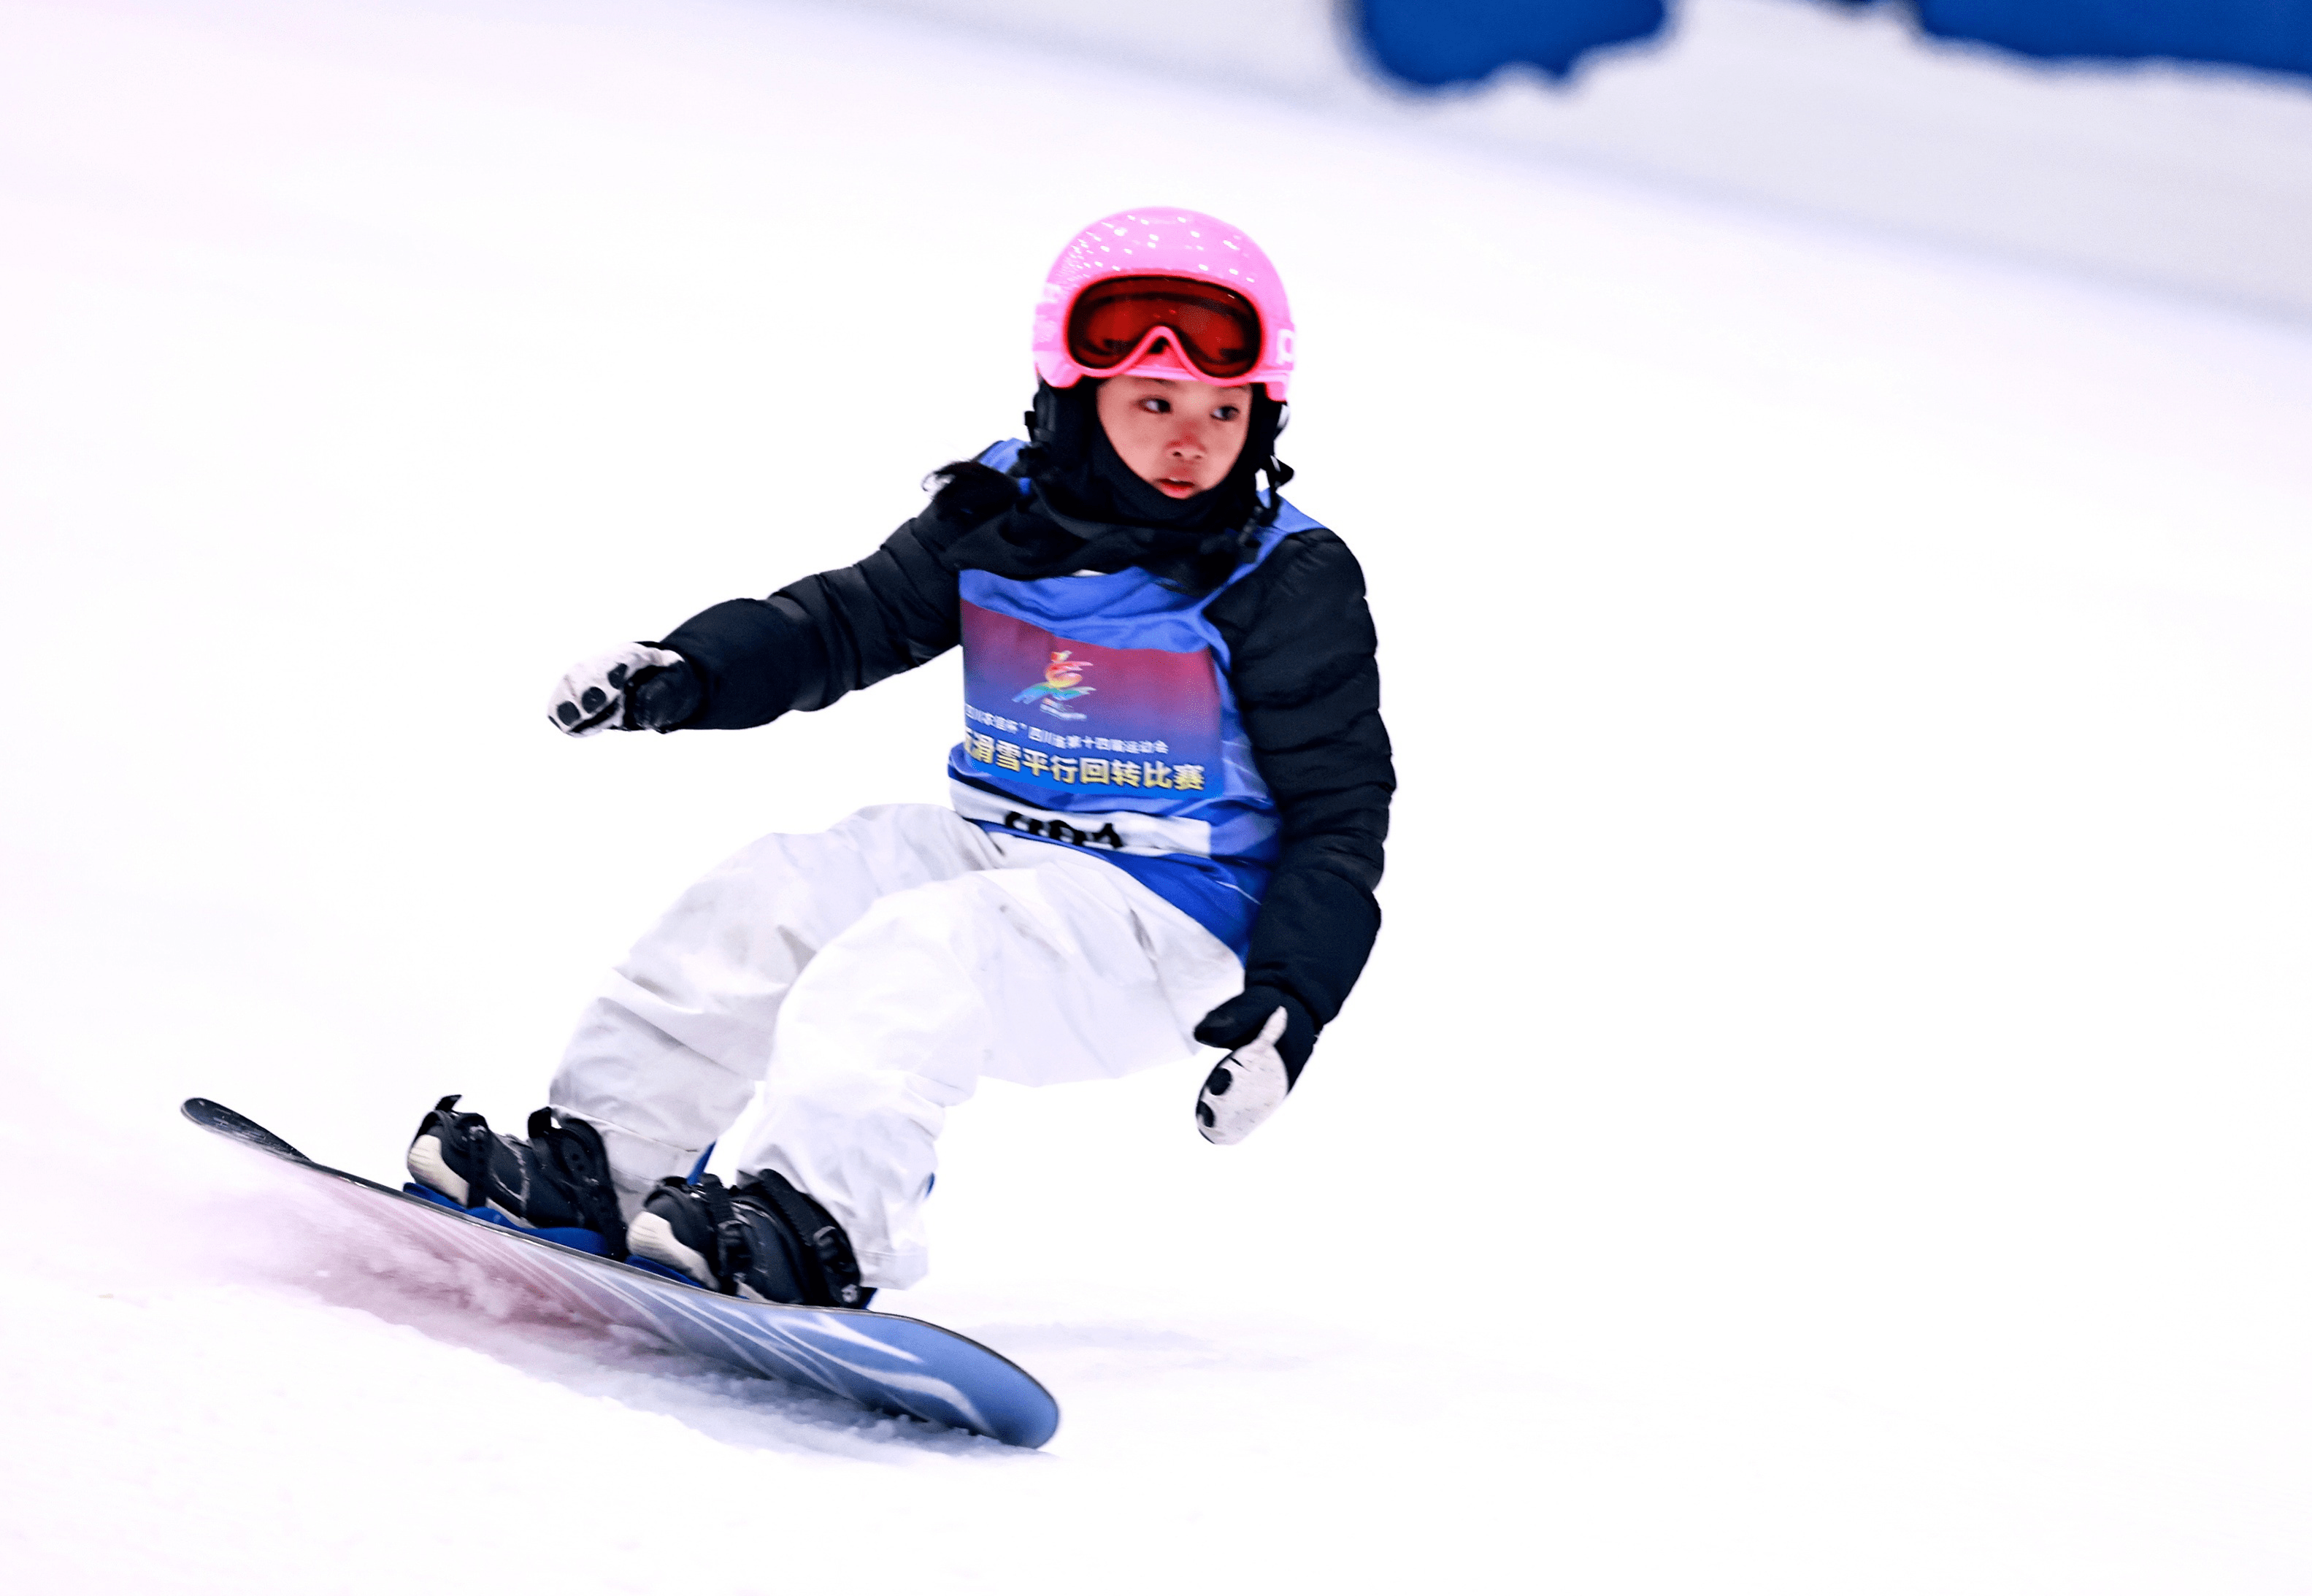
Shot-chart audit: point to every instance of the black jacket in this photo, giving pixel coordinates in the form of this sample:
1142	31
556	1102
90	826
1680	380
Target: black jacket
1301	647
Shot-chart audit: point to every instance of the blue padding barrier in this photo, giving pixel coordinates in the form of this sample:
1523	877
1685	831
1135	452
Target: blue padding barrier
1435	42
1432	43
2275	34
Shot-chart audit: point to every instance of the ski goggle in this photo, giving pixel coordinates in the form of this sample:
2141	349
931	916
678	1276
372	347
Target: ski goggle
1115	320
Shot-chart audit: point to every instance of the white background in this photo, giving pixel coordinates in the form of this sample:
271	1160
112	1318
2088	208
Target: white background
1828	1111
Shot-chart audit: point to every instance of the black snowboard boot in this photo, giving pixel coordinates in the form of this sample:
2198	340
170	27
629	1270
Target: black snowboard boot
761	1239
560	1178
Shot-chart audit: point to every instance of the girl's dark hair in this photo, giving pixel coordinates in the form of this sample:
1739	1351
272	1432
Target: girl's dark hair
970	491
1270	418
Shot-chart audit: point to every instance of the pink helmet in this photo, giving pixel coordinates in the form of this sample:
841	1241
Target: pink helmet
1164	243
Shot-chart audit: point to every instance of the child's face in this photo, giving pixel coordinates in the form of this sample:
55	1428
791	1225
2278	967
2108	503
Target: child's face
1180	437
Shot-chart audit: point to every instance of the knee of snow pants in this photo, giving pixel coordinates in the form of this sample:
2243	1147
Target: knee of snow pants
1053	965
669	1052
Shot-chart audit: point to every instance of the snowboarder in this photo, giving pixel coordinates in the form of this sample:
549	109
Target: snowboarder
1189	859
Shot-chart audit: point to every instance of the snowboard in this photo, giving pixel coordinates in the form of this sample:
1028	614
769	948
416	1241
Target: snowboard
877	1360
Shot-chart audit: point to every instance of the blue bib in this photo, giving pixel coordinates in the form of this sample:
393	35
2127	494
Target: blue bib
1097	715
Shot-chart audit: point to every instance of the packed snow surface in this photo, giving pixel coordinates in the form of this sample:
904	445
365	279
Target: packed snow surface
1829	1112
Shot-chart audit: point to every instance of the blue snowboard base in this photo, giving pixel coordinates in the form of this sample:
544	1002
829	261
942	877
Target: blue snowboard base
877	1360
578	1241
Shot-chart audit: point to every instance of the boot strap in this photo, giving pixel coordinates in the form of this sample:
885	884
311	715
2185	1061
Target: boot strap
815	1227
732	1256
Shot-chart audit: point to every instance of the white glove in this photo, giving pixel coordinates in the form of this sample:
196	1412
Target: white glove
1249	1084
598	695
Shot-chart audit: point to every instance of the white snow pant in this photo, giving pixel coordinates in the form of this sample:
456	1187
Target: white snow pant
817	1003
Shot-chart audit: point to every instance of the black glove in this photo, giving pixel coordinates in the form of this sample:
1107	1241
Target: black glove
1269	1035
636	687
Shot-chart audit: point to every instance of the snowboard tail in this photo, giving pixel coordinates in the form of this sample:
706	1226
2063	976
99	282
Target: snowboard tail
878	1360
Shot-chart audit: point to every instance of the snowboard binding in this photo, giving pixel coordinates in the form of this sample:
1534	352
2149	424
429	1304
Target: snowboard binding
558	1179
762	1239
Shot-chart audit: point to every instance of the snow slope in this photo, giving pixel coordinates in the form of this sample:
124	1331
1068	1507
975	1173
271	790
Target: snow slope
1828	1112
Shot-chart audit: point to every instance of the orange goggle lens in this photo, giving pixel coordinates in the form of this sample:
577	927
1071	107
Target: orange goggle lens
1216	327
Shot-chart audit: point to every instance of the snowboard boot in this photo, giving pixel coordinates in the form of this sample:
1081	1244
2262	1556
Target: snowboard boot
559	1179
761	1240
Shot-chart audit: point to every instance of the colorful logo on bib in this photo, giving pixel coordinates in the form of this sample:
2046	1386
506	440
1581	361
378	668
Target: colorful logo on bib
1062	680
1158	731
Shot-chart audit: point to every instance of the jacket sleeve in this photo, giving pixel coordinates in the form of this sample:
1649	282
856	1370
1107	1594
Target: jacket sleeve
815	640
1301	662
